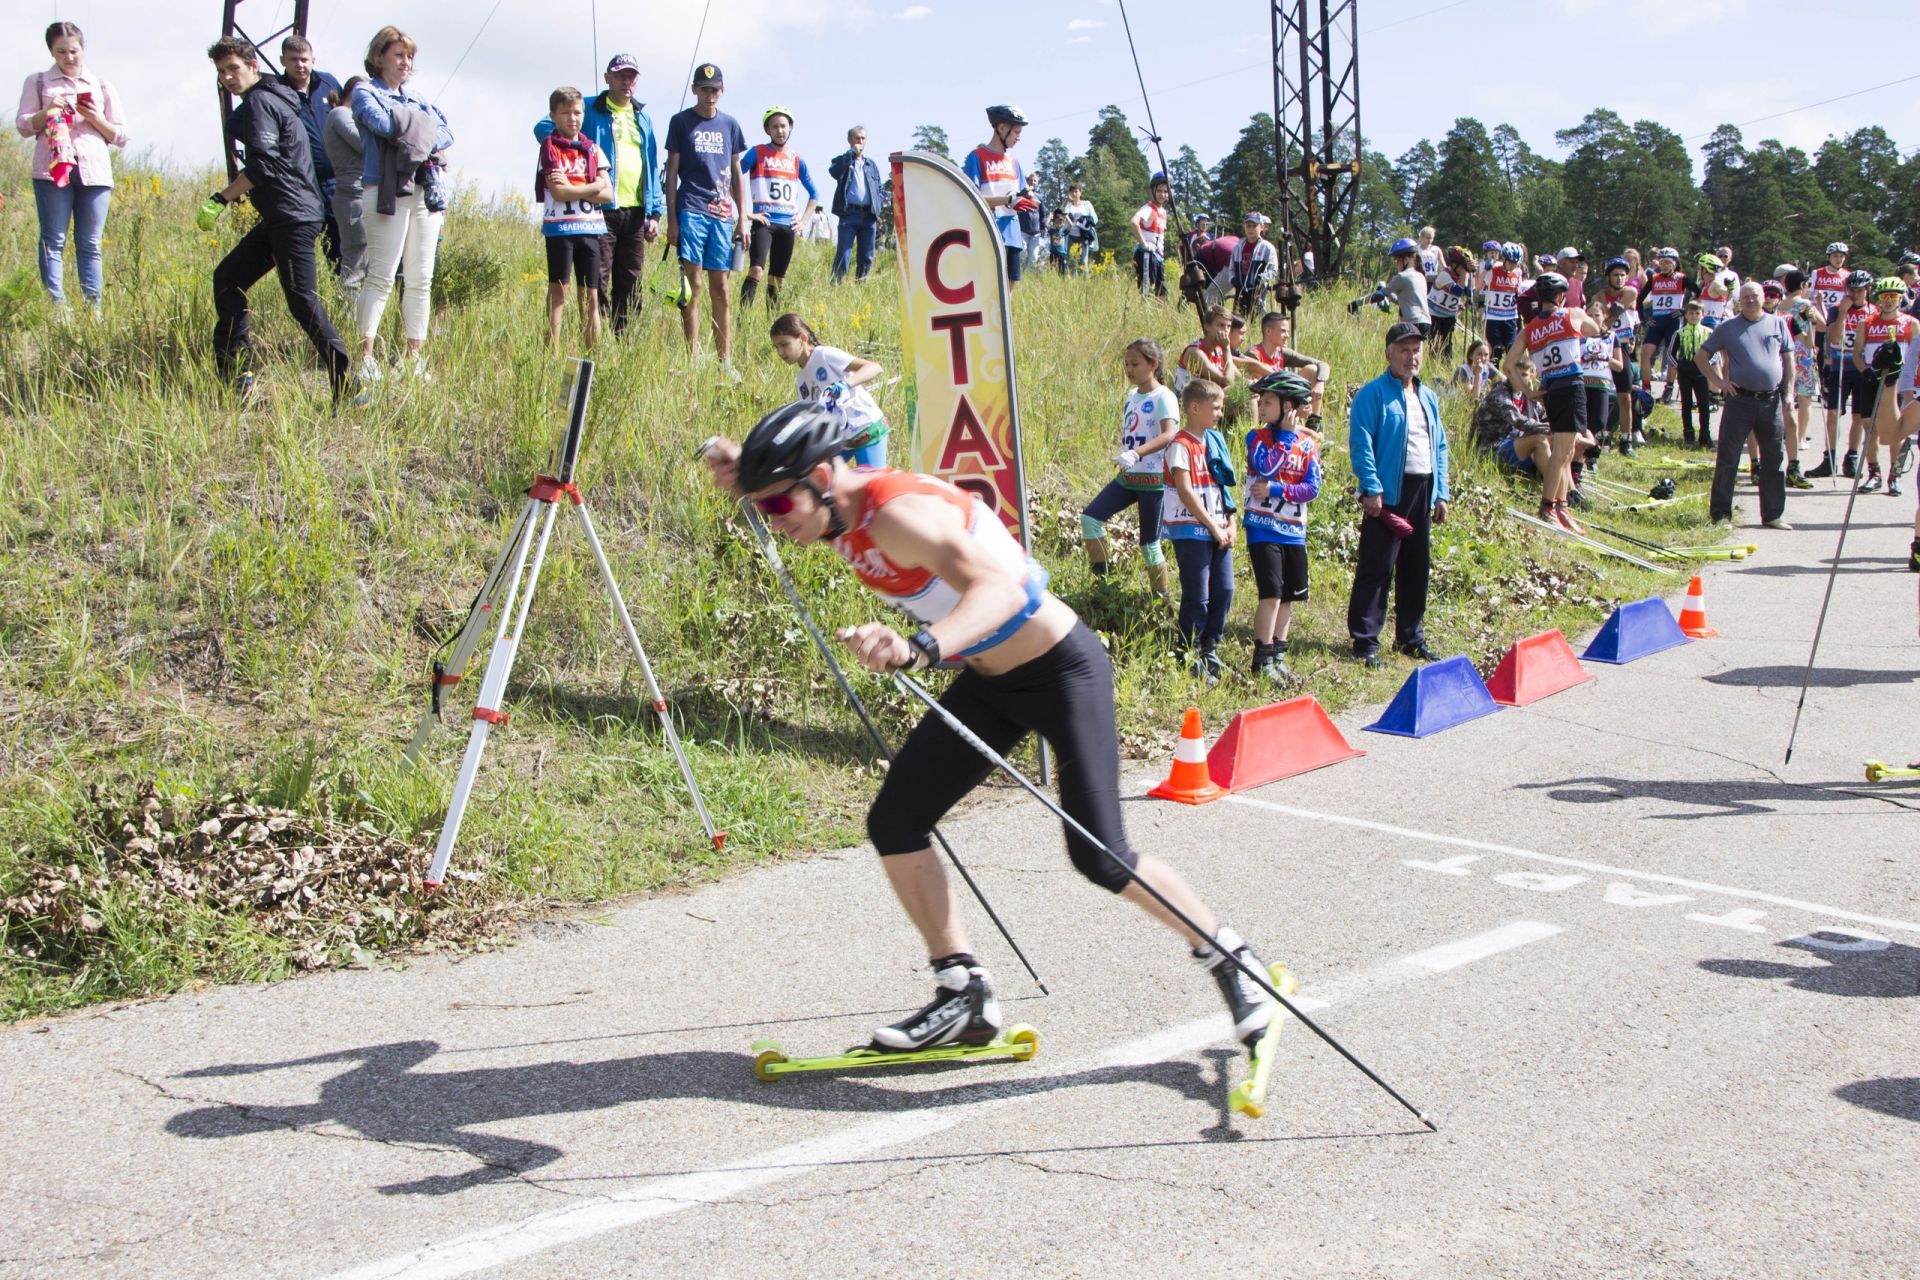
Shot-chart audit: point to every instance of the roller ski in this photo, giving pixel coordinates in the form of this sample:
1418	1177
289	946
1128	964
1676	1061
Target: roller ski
1879	771
1253	1010
1250	1095
962	1021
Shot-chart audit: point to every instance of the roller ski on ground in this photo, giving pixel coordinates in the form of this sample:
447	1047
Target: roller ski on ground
1256	1023
962	1021
1879	771
1250	1095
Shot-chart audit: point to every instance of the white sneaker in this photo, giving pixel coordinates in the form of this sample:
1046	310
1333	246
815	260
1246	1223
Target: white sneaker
417	369
369	371
1777	523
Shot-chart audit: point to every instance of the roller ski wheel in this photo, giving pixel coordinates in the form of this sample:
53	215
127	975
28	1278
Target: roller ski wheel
1880	771
770	1062
1249	1097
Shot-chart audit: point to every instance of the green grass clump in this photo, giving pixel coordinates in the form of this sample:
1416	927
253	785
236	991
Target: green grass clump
215	599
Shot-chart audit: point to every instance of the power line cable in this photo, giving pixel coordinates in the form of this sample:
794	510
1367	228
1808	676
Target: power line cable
469	49
1230	72
1810	106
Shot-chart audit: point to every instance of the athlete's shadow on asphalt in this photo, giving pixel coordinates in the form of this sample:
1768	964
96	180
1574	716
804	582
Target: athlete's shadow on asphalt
383	1097
1714	799
1897	1096
1891	972
1789	677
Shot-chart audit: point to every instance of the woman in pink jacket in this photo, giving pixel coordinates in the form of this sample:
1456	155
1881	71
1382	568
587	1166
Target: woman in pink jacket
74	117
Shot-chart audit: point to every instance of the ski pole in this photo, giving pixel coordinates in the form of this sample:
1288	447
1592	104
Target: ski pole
953	722
772	553
1806	679
1588	542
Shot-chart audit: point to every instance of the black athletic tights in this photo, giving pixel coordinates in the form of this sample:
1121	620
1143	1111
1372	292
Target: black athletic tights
1066	696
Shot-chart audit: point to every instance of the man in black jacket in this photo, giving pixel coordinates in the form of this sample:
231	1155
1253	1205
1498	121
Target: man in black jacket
277	171
857	198
315	89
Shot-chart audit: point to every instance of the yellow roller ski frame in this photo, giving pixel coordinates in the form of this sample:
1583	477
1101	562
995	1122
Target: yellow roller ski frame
1250	1096
770	1062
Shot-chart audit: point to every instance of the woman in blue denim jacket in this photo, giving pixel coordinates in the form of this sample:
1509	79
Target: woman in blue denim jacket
408	238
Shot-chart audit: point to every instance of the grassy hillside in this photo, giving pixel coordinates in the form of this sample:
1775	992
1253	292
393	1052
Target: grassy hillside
205	607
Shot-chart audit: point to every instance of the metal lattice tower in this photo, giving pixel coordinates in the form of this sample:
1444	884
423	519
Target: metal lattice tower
1316	118
268	45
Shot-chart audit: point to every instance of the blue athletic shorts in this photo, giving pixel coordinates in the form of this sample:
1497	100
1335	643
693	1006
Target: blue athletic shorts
706	241
1509	459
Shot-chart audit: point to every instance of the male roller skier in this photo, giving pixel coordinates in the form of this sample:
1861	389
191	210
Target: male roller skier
1031	666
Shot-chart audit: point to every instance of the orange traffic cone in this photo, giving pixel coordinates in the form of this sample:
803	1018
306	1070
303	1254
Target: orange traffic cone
1693	618
1189	783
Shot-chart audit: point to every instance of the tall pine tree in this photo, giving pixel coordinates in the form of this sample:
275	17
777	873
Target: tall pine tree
1468	200
1114	172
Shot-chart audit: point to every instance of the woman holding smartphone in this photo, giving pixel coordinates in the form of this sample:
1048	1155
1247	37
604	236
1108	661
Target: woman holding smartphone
74	116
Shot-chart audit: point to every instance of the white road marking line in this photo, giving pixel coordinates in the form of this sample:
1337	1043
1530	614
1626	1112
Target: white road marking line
661	1197
1452	955
1462	842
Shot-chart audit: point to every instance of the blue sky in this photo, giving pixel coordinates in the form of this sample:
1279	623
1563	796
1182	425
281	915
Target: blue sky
892	64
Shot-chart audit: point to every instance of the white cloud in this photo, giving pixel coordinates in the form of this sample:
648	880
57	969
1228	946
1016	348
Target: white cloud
915	12
1085	24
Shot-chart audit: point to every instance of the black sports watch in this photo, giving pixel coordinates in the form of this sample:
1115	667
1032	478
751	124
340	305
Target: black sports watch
925	647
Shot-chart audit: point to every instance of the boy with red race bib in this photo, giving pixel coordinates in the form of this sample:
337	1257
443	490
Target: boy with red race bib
1502	315
1837	379
1888	325
1001	183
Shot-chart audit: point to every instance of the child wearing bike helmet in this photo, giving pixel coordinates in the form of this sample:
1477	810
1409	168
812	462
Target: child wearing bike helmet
776	177
1283	476
1002	182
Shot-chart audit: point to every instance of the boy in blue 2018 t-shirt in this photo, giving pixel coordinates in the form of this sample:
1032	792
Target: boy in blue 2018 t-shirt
705	196
1283	476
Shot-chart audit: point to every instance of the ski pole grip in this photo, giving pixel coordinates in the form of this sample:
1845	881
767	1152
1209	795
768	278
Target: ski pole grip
705	447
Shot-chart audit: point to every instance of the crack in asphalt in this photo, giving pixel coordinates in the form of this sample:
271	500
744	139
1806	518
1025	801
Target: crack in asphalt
41	1259
265	1115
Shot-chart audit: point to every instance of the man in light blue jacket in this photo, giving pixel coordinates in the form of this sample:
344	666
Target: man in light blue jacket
621	128
1398	448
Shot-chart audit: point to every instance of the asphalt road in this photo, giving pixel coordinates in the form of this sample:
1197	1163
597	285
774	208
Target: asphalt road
1657	990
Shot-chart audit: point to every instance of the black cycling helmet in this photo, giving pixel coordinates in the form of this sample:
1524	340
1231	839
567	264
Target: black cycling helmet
1003	114
1860	279
1549	285
1288	386
789	442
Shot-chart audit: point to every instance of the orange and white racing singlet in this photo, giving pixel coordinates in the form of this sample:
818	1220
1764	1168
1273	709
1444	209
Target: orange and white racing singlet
1503	294
919	592
1666	293
1877	331
1555	346
1830	286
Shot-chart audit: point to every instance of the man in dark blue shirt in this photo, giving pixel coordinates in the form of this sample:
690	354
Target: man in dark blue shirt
706	198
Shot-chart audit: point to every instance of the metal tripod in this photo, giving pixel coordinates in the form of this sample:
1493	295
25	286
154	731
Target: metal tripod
498	596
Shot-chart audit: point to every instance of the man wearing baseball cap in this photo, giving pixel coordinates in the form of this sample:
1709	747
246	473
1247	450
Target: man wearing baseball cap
1573	265
1398	449
706	194
619	126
